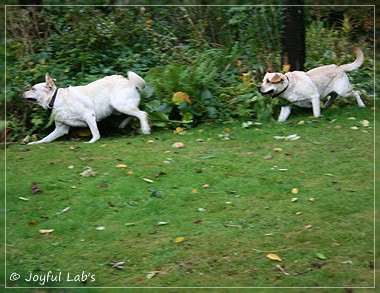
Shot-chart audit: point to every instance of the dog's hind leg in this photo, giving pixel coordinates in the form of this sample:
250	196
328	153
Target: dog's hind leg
330	100
125	122
358	99
60	129
135	111
91	122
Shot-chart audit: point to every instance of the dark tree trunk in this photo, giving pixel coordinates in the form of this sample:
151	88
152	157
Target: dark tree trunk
294	36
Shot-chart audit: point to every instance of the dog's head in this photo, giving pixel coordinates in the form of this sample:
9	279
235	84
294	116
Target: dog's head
273	84
41	93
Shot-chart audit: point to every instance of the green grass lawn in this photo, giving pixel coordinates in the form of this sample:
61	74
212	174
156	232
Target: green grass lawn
210	212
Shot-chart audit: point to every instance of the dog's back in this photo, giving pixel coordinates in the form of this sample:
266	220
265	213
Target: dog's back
328	77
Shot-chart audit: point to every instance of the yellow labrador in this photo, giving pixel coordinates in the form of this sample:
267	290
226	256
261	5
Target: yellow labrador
81	106
306	89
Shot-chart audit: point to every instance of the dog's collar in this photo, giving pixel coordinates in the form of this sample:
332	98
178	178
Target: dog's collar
51	104
276	95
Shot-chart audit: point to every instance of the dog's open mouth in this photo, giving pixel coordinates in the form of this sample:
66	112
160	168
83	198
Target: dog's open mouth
267	93
30	99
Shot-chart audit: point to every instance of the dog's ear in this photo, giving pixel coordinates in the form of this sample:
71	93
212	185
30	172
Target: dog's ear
276	78
49	81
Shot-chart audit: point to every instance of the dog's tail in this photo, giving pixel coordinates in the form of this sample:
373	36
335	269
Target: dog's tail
136	80
357	63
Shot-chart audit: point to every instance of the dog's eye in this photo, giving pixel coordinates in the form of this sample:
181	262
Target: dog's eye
268	81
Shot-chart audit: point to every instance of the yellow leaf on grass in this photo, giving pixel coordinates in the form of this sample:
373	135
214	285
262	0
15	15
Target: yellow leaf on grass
121	166
273	256
45	231
148	180
295	190
179	239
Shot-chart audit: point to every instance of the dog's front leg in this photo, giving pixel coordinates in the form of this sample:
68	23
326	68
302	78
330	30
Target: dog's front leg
60	129
284	114
91	122
316	103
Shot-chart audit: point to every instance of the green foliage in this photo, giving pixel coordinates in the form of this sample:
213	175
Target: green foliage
216	55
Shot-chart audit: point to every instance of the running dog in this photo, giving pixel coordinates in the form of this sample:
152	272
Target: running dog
307	89
82	106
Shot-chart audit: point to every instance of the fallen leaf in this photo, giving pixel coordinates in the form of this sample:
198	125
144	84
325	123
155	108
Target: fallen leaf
161	223
178	145
273	256
294	199
88	172
130	172
130	224
308	226
198	222
179	239
312	199
277	150
194	191
46	231
118	265
269	234
84	159
100	228
295	190
202	210
206	185
178	130
282	270
148	180
150	275
365	123
35	188
63	211
121	166
23	198
32	224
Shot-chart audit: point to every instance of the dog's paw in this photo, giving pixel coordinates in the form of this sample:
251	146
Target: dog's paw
35	142
145	131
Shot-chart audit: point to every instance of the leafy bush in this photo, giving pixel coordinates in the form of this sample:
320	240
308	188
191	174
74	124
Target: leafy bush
210	58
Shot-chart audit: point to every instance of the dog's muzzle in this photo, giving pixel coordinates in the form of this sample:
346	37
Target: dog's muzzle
265	93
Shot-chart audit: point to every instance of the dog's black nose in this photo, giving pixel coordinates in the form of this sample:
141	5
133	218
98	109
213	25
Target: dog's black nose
259	88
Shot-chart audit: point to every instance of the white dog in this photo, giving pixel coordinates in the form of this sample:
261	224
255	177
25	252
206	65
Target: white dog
85	105
306	89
